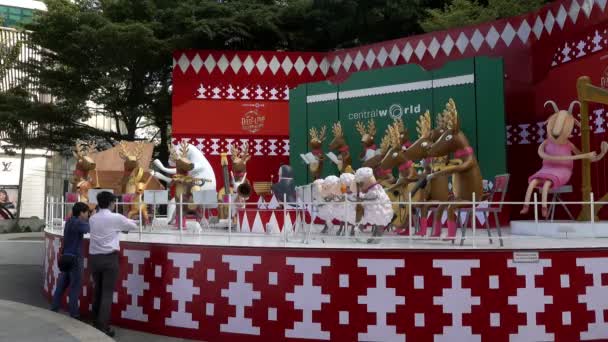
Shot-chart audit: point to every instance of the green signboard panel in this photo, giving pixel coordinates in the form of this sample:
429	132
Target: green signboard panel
406	92
373	95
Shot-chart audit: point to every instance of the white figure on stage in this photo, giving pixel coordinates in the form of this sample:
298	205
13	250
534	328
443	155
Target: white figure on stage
199	168
347	207
377	207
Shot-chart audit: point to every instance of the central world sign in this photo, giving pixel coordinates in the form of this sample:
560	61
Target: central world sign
395	111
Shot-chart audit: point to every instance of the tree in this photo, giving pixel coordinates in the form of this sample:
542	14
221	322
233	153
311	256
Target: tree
470	12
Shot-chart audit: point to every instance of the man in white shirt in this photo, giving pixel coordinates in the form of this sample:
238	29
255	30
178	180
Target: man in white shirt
103	254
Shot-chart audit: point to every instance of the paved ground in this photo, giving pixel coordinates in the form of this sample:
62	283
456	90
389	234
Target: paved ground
21	300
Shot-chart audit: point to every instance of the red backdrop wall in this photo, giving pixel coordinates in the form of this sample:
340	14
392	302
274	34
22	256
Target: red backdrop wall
544	52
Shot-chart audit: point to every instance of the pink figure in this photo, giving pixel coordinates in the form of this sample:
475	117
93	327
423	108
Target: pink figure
558	155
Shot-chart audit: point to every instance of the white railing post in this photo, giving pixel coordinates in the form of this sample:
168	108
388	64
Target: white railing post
284	220
140	219
536	214
593	215
230	217
474	222
63	209
52	213
181	213
409	218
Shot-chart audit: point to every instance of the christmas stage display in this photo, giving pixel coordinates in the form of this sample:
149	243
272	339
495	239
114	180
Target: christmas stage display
319	196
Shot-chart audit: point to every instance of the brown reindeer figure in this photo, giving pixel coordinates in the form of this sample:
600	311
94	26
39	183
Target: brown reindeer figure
397	156
466	177
238	175
81	180
437	189
384	177
368	135
316	144
339	143
133	173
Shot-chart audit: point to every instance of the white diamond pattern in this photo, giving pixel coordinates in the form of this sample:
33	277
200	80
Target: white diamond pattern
183	63
299	66
522	28
574	10
434	47
448	45
477	40
394	55
312	65
236	64
274	65
382	56
538	27
348	62
223	63
561	17
587	7
197	63
324	66
508	34
420	49
210	63
407	52
359	60
524	32
462	42
549	22
337	63
369	59
492	37
287	65
248	64
261	64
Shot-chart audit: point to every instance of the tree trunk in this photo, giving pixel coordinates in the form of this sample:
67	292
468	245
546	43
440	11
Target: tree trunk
20	190
163	151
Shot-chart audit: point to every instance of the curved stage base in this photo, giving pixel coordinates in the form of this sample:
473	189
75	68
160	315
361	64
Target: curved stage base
560	229
227	293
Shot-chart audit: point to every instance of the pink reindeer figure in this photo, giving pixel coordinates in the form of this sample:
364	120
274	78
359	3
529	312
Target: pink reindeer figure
558	154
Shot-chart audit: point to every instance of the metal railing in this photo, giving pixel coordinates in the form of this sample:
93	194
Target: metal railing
303	230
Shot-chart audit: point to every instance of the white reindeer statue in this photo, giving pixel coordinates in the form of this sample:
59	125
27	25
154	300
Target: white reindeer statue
190	162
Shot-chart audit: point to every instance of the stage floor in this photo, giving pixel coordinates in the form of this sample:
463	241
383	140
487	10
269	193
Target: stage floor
221	237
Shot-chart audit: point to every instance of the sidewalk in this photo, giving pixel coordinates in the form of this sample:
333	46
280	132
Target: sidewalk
21	322
24	313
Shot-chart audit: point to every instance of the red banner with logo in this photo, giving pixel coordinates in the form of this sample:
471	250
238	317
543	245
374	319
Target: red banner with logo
213	117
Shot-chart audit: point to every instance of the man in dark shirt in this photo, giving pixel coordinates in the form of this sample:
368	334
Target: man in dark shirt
73	233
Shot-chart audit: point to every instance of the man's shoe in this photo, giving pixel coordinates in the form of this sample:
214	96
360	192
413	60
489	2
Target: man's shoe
110	332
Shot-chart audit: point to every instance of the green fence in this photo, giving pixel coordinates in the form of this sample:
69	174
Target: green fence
475	84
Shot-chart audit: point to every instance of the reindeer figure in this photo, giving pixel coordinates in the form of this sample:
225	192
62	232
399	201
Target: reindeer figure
316	144
238	175
384	177
339	143
368	134
466	177
192	172
403	133
133	173
398	155
558	155
81	180
132	179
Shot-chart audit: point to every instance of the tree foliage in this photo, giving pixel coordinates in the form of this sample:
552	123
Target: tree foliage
117	54
459	13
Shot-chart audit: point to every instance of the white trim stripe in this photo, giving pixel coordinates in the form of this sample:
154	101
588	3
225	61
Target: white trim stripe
453	81
322	97
395	88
